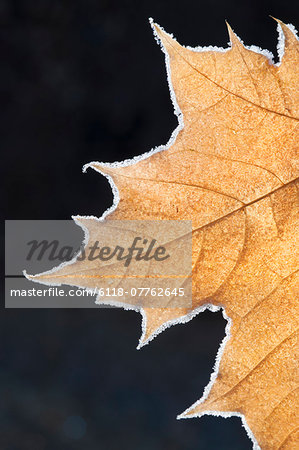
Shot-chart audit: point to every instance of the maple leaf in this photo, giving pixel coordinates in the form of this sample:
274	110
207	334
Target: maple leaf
231	167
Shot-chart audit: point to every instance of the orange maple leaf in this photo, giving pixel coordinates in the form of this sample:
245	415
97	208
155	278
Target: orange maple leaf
232	168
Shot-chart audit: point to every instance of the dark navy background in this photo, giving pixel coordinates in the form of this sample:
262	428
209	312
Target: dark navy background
84	80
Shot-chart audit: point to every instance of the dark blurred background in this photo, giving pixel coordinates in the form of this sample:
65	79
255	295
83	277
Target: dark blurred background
84	80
